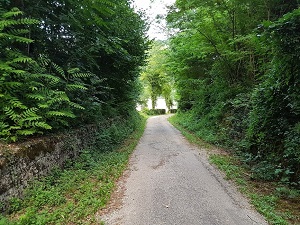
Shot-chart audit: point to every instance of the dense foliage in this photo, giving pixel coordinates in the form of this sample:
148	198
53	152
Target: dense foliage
67	59
156	78
236	64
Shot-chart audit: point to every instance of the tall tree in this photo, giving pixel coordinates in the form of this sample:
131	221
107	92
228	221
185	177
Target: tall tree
223	64
93	48
155	77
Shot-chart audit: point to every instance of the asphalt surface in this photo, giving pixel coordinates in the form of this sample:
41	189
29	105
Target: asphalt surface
170	181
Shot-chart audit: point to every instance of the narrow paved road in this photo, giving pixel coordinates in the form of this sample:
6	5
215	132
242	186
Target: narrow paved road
170	182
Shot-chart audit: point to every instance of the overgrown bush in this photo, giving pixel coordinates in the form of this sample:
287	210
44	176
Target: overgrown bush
152	112
173	110
35	95
77	67
275	114
239	87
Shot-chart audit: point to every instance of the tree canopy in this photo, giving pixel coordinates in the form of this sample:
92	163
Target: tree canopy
156	78
236	66
67	59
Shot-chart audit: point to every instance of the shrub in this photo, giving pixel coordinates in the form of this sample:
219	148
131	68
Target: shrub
152	112
275	114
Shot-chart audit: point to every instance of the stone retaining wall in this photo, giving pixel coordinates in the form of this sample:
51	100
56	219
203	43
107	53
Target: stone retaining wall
21	163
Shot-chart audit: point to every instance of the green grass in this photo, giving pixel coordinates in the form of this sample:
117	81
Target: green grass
75	194
266	204
189	134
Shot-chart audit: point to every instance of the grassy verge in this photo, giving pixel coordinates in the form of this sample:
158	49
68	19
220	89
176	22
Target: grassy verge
75	194
278	204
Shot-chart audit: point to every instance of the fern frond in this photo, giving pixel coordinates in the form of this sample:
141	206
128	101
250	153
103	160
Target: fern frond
28	21
11	114
3	126
5	67
58	100
61	113
18	72
12	84
51	79
35	86
73	70
26	132
37	124
61	94
36	96
18	32
45	91
73	87
4	129
13	138
17	38
23	59
44	61
16	103
43	125
6	23
104	7
12	13
75	105
98	20
59	70
82	75
29	113
15	127
62	121
43	105
33	118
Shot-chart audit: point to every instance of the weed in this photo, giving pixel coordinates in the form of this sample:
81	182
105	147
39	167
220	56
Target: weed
266	205
15	204
226	164
188	134
4	221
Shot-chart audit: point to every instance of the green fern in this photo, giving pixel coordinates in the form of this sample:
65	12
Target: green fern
72	87
56	101
23	59
18	32
36	95
61	113
10	38
12	84
29	113
11	114
26	132
73	70
76	106
36	124
46	78
43	105
4	129
12	13
81	75
16	103
59	70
